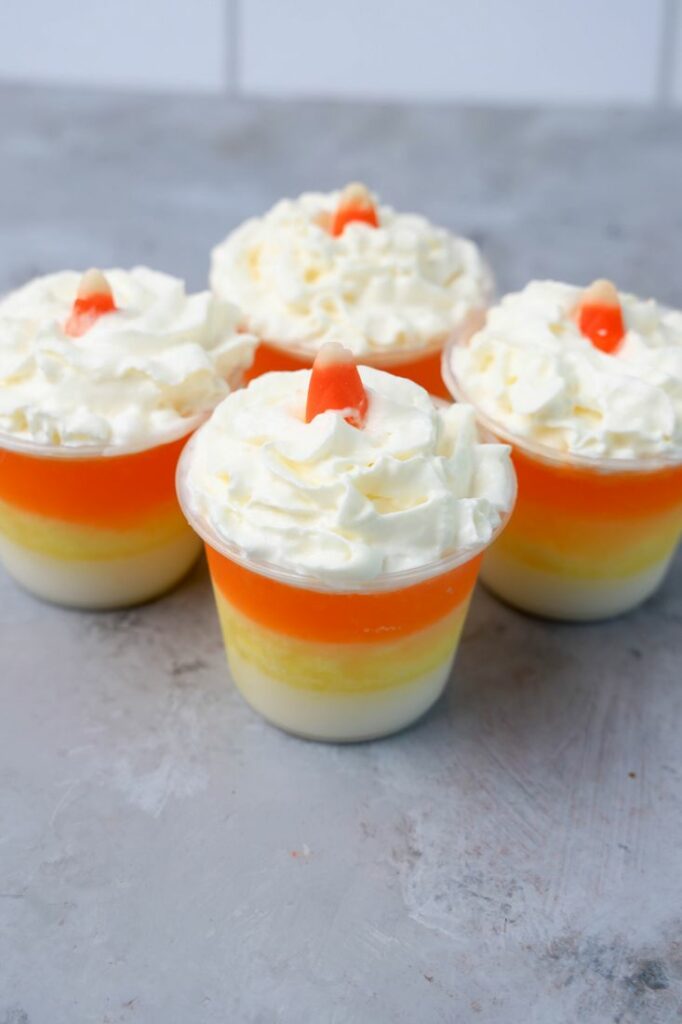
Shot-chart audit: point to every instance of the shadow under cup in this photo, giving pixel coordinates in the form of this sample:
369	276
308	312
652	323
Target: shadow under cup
589	538
336	665
93	528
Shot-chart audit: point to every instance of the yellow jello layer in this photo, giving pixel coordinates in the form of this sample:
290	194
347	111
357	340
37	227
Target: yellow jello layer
328	668
580	549
74	542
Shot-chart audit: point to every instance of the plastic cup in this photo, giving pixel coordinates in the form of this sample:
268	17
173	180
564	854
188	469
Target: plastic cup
422	365
94	527
589	538
329	665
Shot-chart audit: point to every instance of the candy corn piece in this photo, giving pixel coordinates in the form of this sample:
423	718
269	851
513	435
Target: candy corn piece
335	384
93	299
599	316
355	204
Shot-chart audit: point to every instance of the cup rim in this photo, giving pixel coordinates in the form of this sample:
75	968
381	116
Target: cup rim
544	452
387	581
187	425
65	452
376	360
386	360
473	313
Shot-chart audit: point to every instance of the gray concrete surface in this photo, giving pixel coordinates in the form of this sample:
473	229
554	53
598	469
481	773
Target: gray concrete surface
165	856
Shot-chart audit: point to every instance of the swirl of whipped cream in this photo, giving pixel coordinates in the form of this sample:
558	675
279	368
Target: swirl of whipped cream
403	286
339	503
531	371
161	358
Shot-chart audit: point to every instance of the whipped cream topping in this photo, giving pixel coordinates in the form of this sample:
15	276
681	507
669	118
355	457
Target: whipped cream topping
403	286
531	371
161	358
339	503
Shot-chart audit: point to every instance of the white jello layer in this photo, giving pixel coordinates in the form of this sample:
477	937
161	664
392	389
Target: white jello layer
338	718
99	584
562	597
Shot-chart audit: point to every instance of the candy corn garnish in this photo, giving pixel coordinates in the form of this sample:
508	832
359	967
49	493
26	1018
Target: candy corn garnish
93	299
600	317
355	204
335	384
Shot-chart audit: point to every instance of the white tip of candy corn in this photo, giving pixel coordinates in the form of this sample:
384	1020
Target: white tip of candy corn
93	282
333	354
356	194
600	293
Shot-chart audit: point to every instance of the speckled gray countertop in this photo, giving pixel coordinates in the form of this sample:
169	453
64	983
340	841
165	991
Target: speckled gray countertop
165	856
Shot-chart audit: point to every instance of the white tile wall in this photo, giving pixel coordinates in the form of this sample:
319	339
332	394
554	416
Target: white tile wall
676	53
498	51
490	50
149	44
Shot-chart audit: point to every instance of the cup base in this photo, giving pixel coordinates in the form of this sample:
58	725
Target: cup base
572	600
337	718
101	584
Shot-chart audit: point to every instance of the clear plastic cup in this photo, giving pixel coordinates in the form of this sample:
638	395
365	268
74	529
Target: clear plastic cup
589	538
94	527
335	665
421	365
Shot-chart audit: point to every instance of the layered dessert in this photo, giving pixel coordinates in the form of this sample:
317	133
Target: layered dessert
102	378
344	515
586	384
343	267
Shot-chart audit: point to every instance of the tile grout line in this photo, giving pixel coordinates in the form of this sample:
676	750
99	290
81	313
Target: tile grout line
666	53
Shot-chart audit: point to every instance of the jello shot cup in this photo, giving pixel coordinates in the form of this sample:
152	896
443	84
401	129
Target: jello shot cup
423	366
94	528
337	665
103	377
590	537
320	658
341	267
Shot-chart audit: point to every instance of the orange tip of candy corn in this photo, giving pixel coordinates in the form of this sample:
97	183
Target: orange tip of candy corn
599	316
93	298
355	204
335	384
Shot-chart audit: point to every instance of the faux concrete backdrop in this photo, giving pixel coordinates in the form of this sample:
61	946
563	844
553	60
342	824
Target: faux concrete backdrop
165	856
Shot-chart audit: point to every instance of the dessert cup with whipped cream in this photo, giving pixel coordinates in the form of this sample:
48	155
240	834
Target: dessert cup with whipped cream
344	514
586	385
102	379
340	266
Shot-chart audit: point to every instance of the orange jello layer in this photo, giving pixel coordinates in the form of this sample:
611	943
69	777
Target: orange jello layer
106	491
341	618
424	370
579	522
580	491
